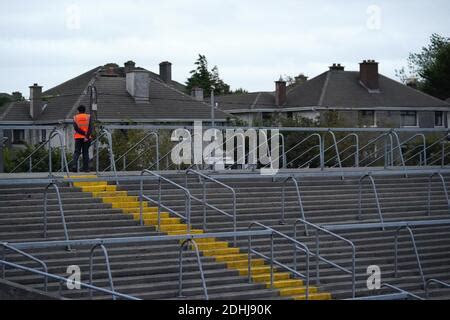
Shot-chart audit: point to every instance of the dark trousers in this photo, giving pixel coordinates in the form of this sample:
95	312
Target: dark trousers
80	146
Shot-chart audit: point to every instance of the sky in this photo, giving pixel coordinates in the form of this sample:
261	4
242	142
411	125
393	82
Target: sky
253	42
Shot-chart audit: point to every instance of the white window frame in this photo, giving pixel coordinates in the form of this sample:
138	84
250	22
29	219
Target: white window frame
443	119
374	125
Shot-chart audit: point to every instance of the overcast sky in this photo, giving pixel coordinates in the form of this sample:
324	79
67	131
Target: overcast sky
253	42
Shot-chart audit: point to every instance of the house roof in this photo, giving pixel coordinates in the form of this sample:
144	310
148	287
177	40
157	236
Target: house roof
336	89
167	102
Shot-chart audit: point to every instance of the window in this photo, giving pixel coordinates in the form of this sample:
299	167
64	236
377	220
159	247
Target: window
18	137
367	118
439	119
43	135
409	119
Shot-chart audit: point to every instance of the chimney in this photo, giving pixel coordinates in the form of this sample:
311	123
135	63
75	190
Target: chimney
165	71
280	93
368	74
138	85
35	101
197	93
129	66
337	67
300	79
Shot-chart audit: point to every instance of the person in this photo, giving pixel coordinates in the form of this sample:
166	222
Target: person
82	124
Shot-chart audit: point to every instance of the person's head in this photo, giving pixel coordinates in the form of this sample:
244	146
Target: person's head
81	109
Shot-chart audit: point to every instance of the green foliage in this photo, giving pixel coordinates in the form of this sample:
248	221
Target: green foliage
431	67
207	80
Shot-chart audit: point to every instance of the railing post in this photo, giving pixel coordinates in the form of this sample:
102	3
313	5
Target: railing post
317	258
204	205
159	204
271	258
141	199
249	270
283	203
396	253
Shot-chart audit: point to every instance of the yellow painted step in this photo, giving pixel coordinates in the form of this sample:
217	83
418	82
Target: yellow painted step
124	204
89	184
289	283
118	198
149	215
314	296
265	277
163	221
174	227
220	251
255	270
244	263
99	188
213	245
231	257
138	210
83	176
183	232
284	292
106	194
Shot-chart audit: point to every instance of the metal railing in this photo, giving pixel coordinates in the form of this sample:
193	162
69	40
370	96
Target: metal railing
444	185
299	199
355	154
435	281
108	268
66	280
61	211
374	188
64	165
200	267
401	295
6	246
142	197
320	146
123	157
297	246
319	258
206	205
416	253
105	133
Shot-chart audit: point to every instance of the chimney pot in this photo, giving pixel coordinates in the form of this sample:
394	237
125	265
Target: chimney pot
165	71
35	101
280	93
129	66
138	85
337	67
368	74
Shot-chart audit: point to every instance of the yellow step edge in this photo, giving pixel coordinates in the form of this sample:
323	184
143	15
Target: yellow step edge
89	184
265	277
285	292
314	296
255	270
119	198
220	251
105	194
123	204
231	257
244	263
183	232
83	177
138	210
148	215
288	283
213	245
99	188
174	227
163	221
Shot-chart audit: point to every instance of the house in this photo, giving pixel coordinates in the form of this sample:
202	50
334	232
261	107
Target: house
361	98
126	94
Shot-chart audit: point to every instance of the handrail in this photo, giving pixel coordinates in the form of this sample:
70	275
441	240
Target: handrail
158	202
104	132
123	156
401	295
200	267
416	252
429	190
367	145
61	211
314	135
205	204
356	153
297	246
108	268
434	143
66	280
318	229
336	148
372	181
283	200
430	281
64	165
5	245
362	226
283	153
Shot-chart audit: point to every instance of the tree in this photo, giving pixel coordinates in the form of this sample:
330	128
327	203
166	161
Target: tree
203	78
431	68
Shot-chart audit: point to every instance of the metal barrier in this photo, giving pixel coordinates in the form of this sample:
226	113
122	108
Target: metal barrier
444	185
123	157
416	252
108	267
435	281
64	165
207	205
401	295
160	178
372	181
6	246
105	133
66	280
319	258
200	267
297	246
320	146
61	211
355	154
283	201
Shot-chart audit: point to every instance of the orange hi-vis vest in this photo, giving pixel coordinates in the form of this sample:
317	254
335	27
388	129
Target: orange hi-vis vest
82	121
